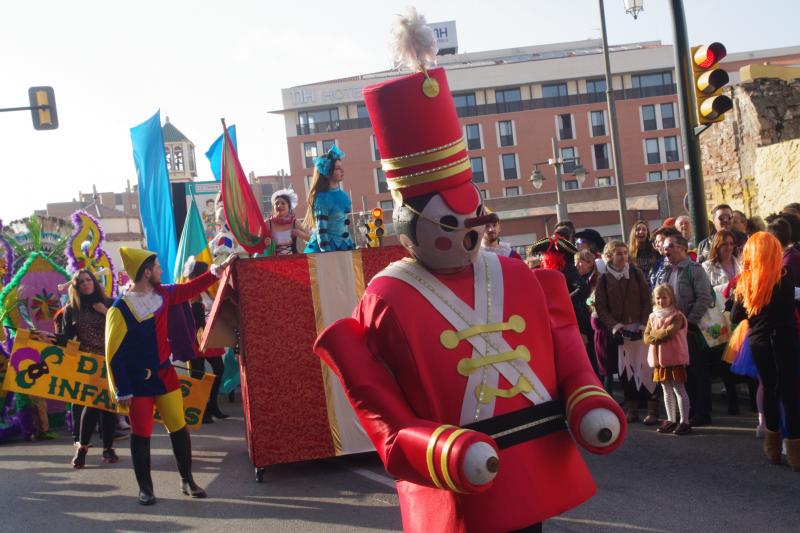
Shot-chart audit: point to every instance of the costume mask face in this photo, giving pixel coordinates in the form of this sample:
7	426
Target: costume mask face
439	246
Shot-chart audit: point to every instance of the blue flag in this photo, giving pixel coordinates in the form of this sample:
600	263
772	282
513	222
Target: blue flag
155	195
214	154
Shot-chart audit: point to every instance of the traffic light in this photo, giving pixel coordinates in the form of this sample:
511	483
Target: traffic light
709	80
43	108
375	228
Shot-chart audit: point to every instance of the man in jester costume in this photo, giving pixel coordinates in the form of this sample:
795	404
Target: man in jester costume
139	370
466	369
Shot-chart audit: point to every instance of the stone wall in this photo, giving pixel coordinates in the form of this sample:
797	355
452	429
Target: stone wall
750	160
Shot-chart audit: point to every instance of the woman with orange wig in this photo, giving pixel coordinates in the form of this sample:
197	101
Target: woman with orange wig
765	297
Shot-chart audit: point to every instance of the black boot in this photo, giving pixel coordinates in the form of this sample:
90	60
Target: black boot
140	455
182	448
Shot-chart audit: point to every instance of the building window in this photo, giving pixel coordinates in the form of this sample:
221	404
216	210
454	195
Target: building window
671	149
596	86
601	156
309	152
326	145
653	154
654	176
508	100
168	157
673	174
571	185
361	111
477	170
506	130
667	116
191	160
605	181
177	154
376	155
473	137
568	156
380	179
464	100
307	181
649	118
320	120
554	90
511	191
509	166
651	80
386	205
598	119
484	193
504	96
565	127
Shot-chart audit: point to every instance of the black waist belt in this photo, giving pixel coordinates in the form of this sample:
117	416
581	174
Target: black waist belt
521	426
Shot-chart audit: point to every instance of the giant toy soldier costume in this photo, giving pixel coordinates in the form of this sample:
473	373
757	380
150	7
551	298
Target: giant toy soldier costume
466	369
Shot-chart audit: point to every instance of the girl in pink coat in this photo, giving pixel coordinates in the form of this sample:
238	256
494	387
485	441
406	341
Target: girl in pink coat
669	356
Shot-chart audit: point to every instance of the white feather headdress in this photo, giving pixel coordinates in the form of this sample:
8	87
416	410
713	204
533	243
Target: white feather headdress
414	45
286	192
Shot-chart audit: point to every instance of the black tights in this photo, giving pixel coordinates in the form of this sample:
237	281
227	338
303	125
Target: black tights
108	425
777	369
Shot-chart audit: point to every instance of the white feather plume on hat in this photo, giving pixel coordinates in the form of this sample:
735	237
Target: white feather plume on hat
414	45
286	192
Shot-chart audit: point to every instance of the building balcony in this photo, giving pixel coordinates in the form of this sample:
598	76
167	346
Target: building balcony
506	107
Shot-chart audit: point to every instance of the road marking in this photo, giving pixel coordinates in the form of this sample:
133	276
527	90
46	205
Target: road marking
379	478
619	525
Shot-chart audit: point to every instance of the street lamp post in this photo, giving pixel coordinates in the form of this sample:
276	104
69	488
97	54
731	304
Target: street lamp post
537	179
612	126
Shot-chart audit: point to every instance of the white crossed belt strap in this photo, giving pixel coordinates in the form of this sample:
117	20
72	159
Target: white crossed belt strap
488	309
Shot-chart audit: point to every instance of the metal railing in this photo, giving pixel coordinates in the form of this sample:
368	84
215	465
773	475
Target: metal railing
506	107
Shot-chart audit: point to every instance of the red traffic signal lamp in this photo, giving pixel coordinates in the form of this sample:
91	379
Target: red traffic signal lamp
709	80
43	108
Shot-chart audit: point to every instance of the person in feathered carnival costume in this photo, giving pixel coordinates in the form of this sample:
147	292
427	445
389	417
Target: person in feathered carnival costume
282	224
328	206
139	369
470	379
491	240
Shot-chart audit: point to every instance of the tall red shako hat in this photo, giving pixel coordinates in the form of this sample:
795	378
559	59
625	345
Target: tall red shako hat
416	126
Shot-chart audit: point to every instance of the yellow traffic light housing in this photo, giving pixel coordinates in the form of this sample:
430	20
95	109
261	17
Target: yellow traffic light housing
43	108
709	80
375	229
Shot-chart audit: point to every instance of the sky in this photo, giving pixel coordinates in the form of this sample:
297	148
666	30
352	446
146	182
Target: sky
113	64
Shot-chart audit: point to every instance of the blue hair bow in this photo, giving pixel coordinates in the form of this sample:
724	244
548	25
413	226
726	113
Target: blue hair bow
325	163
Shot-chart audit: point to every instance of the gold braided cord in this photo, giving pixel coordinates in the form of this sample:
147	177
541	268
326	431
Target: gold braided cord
423	158
427	176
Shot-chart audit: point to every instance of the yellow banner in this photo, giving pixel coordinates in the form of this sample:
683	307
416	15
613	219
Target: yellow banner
45	370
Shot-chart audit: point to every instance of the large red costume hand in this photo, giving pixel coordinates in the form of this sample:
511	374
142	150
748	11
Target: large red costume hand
411	448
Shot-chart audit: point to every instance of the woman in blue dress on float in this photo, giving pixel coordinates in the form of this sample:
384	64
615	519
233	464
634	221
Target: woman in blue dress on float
328	206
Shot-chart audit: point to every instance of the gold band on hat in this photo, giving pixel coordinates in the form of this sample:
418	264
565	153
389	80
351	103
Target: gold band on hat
427	176
422	158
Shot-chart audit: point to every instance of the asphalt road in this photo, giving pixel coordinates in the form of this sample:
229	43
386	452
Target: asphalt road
713	480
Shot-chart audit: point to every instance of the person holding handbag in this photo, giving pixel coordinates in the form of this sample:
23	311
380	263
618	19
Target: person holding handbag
622	304
722	266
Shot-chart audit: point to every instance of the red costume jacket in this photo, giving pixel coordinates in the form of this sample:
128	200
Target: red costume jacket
413	379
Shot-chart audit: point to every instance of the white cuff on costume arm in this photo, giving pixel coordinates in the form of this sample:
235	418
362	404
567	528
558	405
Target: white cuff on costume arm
214	269
797	293
126	397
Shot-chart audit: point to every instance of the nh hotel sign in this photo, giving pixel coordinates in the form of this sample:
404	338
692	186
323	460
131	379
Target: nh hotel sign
448	44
